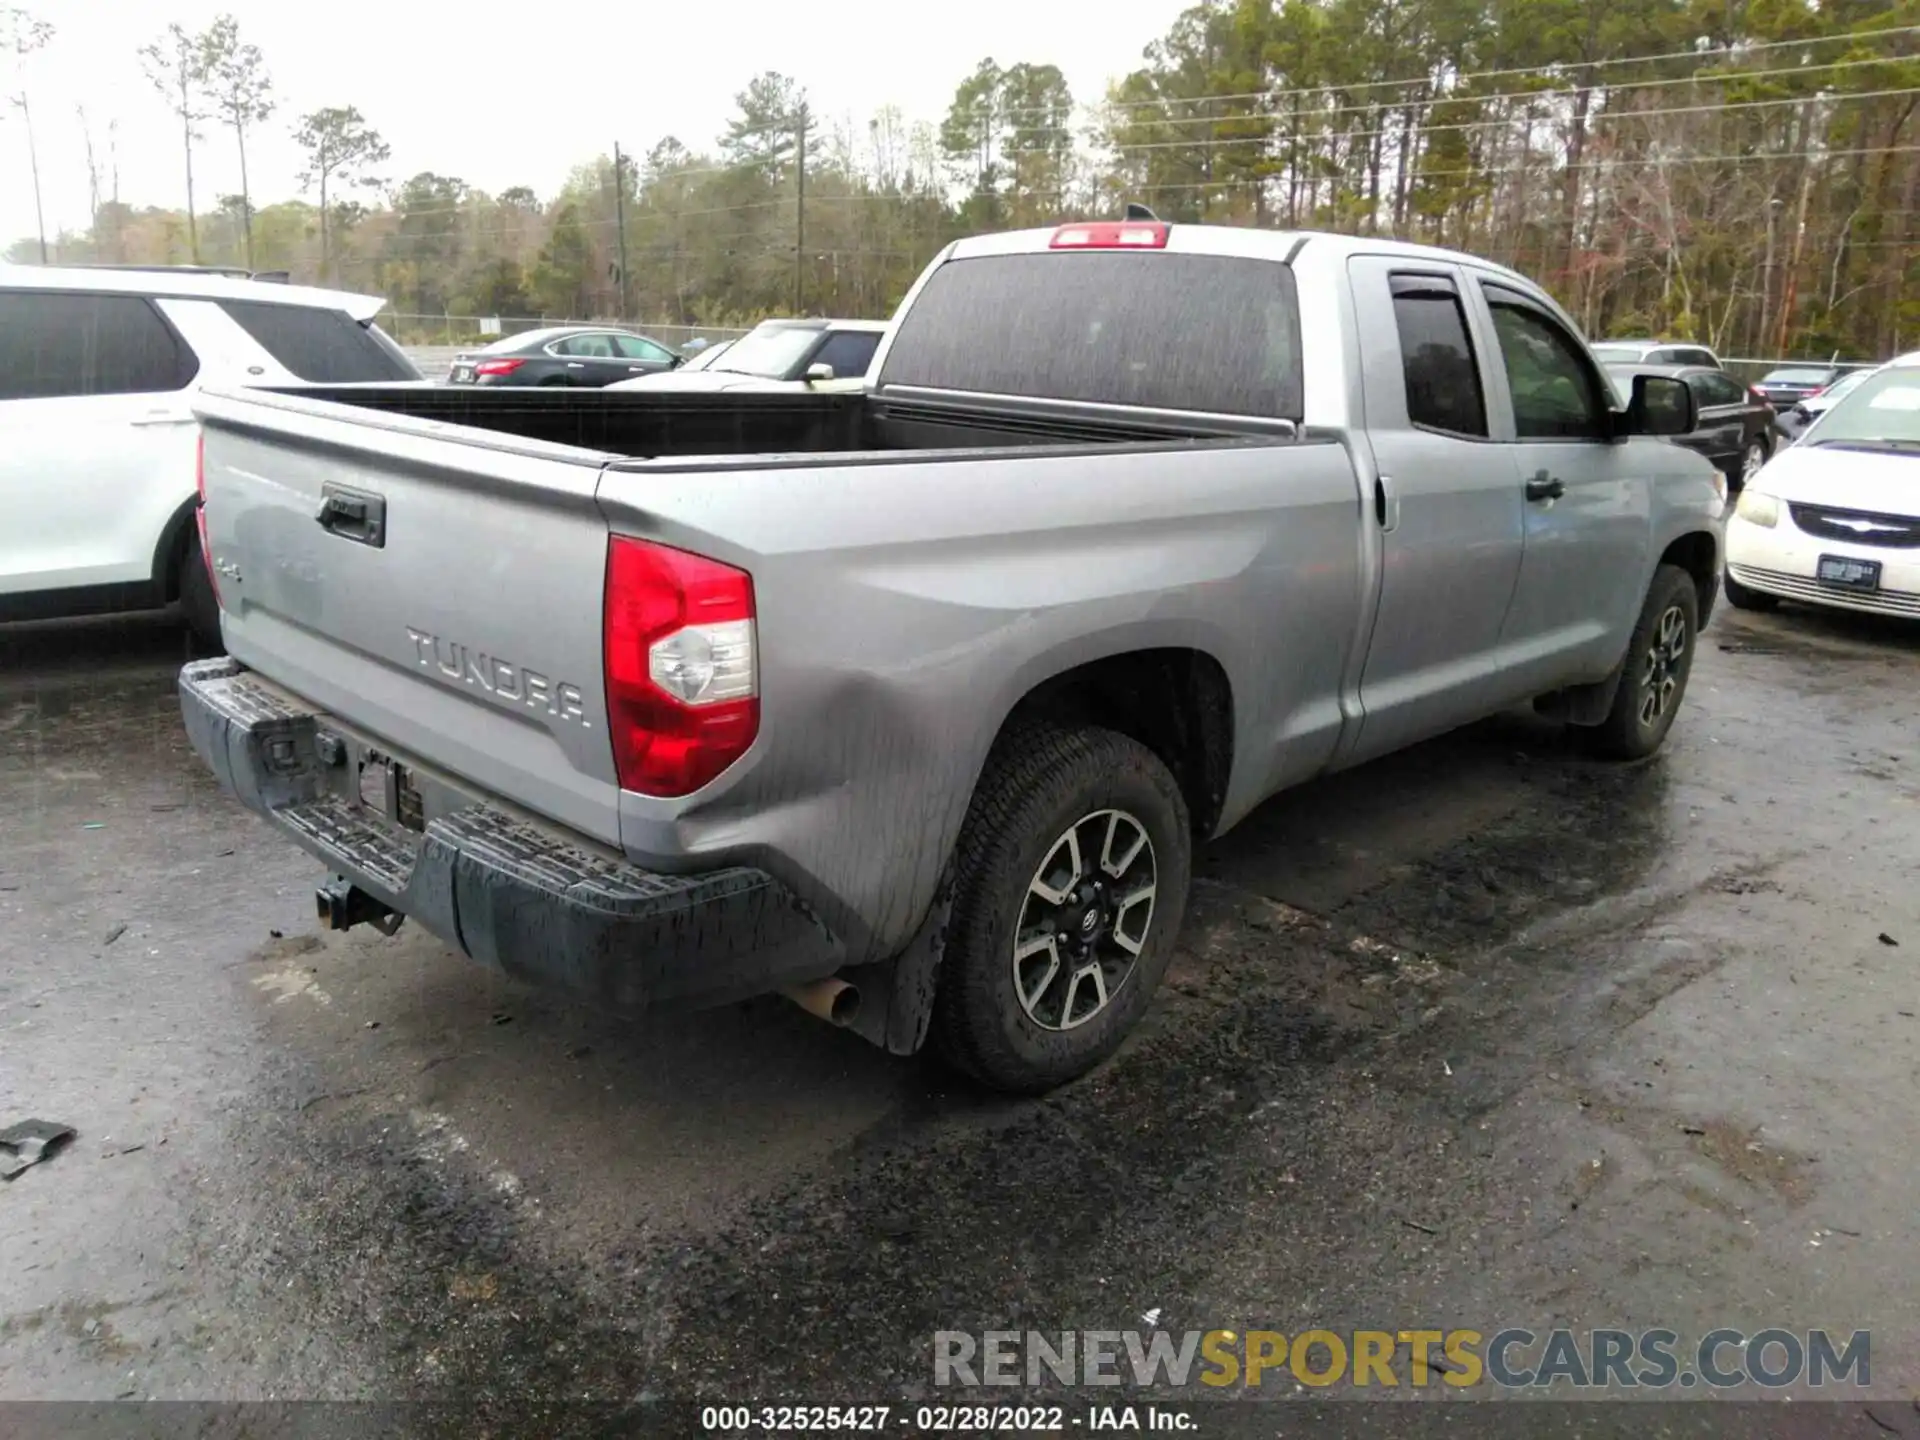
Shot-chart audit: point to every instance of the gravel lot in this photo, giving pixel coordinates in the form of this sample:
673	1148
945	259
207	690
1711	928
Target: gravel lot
1484	1034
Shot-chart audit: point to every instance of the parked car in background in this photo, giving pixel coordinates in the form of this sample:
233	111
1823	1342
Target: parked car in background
97	434
1733	426
705	358
1790	384
1835	518
1655	352
1795	419
784	355
563	355
914	702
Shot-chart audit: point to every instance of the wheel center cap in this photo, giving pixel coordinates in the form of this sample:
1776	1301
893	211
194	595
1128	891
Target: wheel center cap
1090	920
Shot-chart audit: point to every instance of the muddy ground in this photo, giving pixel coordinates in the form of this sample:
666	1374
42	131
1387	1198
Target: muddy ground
1485	1034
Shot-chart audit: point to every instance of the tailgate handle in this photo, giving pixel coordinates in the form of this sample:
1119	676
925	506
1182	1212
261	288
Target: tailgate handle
356	515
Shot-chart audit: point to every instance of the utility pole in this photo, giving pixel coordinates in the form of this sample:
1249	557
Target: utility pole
620	222
33	160
800	217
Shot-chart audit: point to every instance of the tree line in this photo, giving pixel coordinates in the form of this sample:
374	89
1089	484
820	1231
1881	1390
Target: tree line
1741	172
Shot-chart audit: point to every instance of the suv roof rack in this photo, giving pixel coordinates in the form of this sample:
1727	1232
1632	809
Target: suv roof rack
230	272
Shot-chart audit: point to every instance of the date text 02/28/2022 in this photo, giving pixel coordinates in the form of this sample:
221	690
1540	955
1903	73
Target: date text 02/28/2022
942	1419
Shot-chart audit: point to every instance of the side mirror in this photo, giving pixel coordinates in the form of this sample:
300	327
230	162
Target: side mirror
819	372
1660	406
678	361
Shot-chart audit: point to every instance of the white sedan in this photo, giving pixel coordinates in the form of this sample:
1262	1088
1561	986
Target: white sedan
781	355
1835	519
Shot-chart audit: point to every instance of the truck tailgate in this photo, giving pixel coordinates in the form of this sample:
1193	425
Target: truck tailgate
437	588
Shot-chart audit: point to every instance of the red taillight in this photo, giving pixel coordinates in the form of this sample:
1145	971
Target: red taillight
497	367
683	699
200	513
1112	235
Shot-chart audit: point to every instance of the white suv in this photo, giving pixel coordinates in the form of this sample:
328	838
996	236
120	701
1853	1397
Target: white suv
98	444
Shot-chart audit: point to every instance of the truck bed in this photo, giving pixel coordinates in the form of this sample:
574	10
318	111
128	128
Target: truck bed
653	425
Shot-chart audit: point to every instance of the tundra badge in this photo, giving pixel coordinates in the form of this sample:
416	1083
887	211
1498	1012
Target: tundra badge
455	662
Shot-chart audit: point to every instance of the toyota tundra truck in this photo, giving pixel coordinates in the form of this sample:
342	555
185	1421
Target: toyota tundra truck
913	703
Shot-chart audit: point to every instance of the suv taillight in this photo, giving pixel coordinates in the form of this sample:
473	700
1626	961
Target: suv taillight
683	698
200	512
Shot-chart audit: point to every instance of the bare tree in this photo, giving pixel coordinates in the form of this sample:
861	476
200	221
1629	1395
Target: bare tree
241	92
175	68
341	149
20	35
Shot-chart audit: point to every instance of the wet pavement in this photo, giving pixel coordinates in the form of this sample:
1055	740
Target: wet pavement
1484	1034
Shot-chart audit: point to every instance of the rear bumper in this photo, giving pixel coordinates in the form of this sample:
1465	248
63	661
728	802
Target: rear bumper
511	894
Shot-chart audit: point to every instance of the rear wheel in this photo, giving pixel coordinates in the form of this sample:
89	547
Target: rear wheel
1741	598
1070	884
1653	679
198	604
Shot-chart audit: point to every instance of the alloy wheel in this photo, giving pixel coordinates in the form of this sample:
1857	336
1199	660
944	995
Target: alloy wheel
1661	670
1084	919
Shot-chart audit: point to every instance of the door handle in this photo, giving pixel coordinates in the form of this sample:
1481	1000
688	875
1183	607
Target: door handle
575	365
1545	487
357	515
1386	503
163	417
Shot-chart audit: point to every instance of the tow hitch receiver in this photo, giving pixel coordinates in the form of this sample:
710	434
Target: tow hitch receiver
341	905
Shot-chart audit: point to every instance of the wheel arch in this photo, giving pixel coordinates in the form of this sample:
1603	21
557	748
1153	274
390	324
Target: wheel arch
175	536
1176	699
1697	553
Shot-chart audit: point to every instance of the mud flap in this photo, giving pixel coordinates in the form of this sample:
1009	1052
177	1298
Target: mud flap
896	1008
1582	704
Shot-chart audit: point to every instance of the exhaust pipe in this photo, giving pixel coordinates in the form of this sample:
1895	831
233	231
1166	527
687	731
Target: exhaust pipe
832	1000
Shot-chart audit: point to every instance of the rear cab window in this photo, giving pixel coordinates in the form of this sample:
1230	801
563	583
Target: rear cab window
55	344
1107	327
322	347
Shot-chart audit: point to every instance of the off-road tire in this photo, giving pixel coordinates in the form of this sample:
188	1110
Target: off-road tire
1741	598
1627	733
1040	780
198	605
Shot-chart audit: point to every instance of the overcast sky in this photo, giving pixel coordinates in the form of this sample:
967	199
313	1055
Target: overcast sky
501	94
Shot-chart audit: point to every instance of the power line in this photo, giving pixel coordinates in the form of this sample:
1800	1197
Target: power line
1557	67
1375	106
1615	162
1306	139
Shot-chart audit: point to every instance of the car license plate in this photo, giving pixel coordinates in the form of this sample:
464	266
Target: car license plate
463	372
1848	574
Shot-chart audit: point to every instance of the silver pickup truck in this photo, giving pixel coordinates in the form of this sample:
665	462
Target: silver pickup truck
913	703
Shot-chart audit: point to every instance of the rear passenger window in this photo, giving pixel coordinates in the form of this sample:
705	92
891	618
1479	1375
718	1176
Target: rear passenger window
1443	382
1212	333
324	347
54	345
